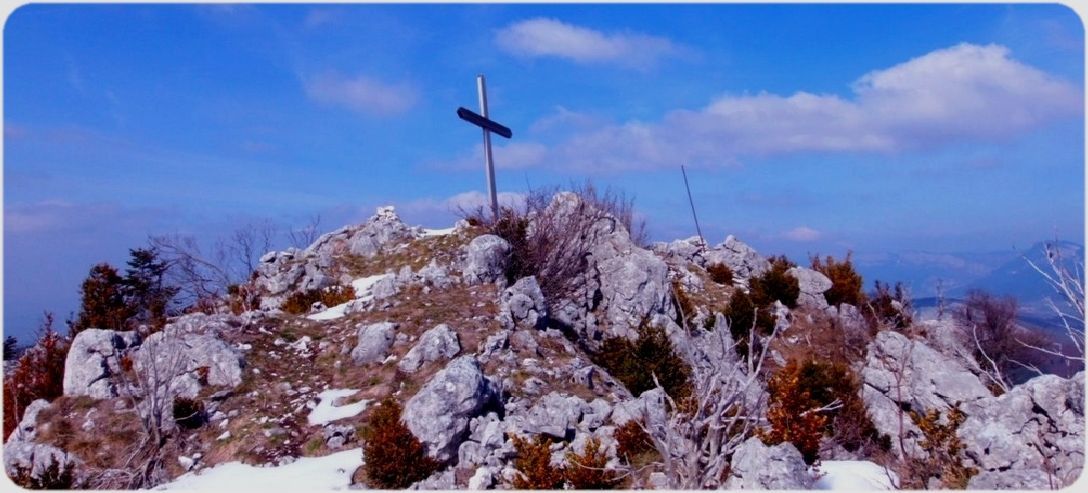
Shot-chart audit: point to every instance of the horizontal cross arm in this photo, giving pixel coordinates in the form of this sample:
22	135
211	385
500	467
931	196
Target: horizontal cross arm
482	122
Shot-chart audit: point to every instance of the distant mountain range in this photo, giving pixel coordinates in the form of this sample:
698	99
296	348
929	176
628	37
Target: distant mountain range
1001	273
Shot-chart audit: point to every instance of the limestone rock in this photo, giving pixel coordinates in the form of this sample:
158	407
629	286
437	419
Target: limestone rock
439	414
485	259
756	466
522	303
373	342
436	344
812	285
92	359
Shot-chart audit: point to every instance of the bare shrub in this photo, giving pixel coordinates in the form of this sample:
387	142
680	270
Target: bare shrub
1066	278
723	410
889	308
552	240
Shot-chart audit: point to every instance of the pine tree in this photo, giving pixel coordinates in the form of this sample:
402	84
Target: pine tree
145	290
102	301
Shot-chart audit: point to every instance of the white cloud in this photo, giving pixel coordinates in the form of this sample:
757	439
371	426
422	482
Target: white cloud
443	212
361	94
959	94
542	37
802	233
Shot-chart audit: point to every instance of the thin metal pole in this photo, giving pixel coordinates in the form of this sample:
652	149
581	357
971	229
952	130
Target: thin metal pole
692	203
482	89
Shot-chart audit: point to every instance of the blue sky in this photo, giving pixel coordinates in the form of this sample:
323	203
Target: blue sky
872	128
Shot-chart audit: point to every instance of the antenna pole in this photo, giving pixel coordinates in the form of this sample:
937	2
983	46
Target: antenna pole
692	204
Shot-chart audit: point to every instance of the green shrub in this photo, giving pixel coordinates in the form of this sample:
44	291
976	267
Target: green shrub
720	273
775	285
533	461
846	283
636	363
742	314
394	457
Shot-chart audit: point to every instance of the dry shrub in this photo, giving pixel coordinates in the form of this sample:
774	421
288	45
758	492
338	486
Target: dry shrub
800	388
586	471
300	302
553	243
793	413
846	283
685	307
637	363
533	462
944	452
38	374
632	442
720	273
394	457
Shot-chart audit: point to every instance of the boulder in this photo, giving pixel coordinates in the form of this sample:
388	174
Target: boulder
190	358
554	414
373	343
756	466
382	229
93	358
485	259
436	344
522	303
812	285
440	413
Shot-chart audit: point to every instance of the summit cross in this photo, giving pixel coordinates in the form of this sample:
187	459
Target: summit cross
489	126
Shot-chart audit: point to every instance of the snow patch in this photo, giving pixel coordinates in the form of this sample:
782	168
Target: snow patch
331	472
854	475
362	286
439	232
327	412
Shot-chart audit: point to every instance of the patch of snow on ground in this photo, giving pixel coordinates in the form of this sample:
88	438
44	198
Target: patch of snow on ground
331	472
326	412
853	475
439	232
362	286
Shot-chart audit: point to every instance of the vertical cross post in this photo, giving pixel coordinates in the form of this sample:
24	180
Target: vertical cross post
488	161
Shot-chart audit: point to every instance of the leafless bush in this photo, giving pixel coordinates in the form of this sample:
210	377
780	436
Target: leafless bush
1067	281
551	239
205	277
307	235
725	408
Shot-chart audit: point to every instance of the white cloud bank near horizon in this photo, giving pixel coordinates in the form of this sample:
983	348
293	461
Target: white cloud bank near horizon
962	93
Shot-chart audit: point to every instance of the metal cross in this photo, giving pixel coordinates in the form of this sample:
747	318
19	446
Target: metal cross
488	127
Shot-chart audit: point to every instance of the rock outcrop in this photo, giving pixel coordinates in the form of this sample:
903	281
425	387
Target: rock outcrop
93	360
439	414
743	260
812	285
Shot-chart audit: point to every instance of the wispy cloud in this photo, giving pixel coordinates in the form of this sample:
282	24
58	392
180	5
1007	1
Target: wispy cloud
802	234
361	93
543	37
958	94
